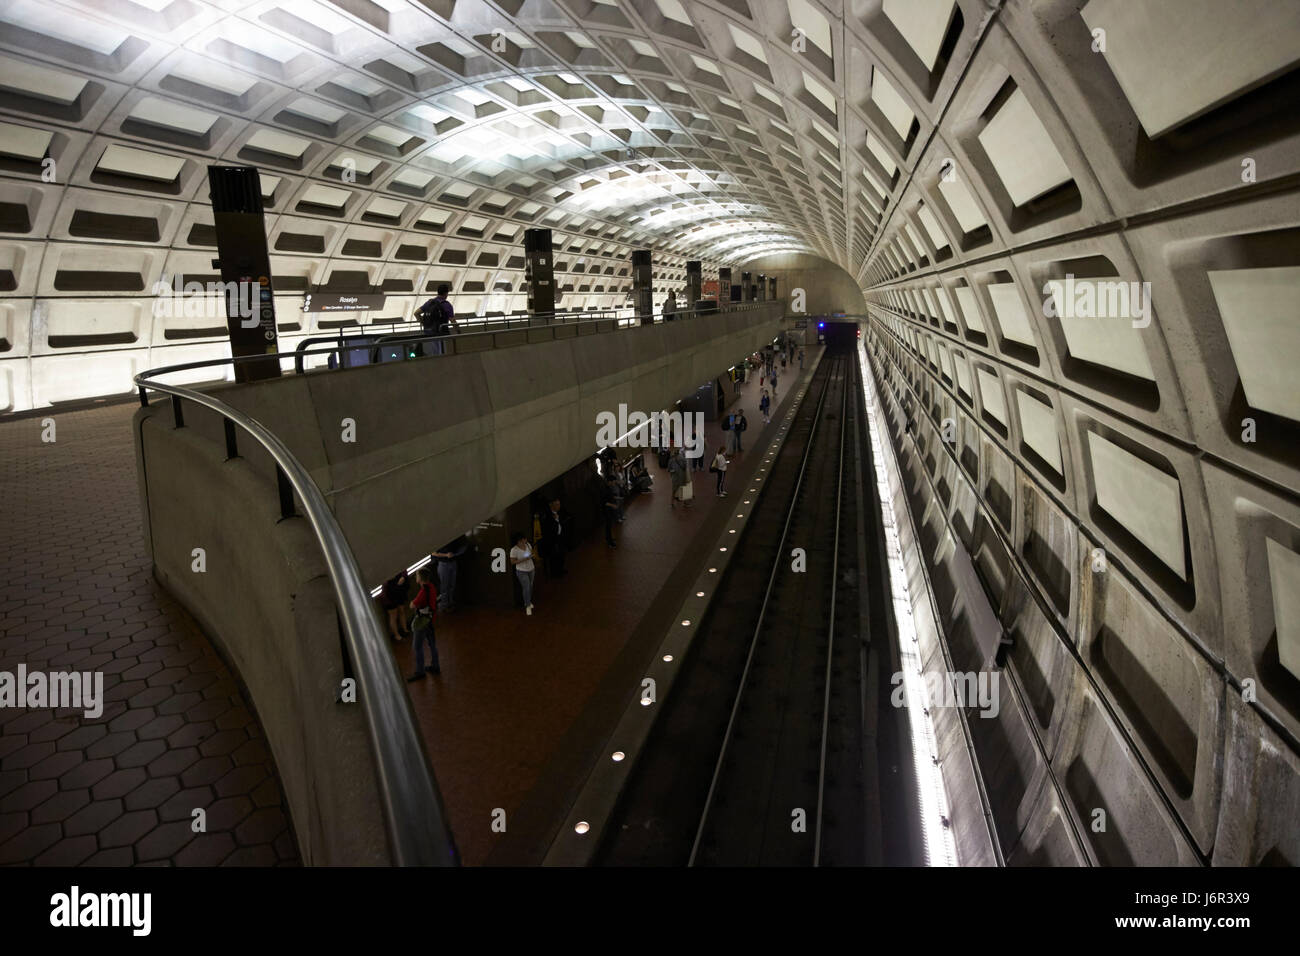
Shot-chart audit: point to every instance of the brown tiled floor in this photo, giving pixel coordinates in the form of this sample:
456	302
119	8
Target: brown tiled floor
512	685
76	593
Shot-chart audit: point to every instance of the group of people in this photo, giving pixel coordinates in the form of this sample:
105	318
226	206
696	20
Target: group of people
436	581
436	591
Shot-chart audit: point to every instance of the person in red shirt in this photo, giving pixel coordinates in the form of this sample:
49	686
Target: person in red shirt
425	607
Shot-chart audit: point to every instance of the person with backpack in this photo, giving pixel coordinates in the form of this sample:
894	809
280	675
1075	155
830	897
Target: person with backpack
719	468
521	556
729	426
425	607
436	316
739	425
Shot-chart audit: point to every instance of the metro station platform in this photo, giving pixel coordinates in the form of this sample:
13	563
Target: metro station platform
77	593
521	707
524	704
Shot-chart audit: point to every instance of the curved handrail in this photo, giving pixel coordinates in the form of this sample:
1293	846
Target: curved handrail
414	817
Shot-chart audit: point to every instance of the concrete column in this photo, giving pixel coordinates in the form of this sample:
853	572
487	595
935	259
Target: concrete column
724	286
642	286
539	272
746	289
693	279
771	288
243	258
761	291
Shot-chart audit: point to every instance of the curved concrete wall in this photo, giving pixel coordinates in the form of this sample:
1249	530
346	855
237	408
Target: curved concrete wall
265	598
444	442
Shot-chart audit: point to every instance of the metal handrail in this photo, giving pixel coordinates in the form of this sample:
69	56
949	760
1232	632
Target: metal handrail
414	817
493	325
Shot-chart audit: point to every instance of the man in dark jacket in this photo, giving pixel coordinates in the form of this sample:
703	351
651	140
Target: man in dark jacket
436	317
555	528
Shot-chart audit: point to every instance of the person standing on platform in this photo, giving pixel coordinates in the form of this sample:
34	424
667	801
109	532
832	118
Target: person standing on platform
765	406
774	385
801	359
425	607
436	317
719	467
521	556
555	527
697	463
609	507
677	475
393	600
739	424
448	567
670	307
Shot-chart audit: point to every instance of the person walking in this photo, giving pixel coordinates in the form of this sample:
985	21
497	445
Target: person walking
697	463
425	607
765	406
739	425
521	556
719	467
801	359
774	385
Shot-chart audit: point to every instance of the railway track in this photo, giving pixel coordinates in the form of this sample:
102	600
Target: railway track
758	757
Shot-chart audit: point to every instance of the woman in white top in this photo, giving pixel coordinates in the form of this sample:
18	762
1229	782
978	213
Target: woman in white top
521	556
720	467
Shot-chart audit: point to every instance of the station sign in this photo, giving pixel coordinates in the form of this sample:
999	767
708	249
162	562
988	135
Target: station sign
338	302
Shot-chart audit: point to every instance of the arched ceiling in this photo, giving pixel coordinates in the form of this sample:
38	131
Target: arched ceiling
714	130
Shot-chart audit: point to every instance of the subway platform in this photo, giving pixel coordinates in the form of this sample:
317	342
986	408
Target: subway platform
524	703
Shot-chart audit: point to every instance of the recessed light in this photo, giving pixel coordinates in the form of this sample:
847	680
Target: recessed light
618	755
582	827
668	658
